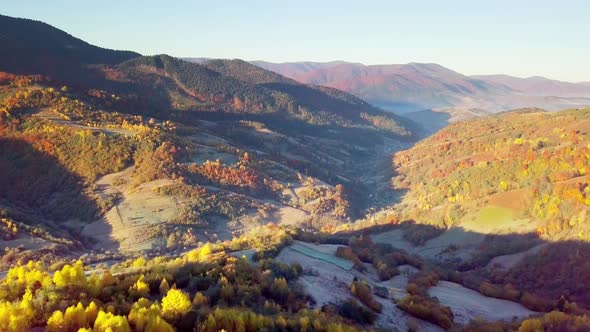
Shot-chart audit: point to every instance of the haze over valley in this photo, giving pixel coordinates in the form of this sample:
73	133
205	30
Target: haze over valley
417	89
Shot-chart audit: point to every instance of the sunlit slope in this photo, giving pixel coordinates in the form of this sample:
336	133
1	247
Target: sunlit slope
519	170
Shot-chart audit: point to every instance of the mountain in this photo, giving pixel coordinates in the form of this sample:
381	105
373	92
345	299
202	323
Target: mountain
87	115
523	173
82	113
412	87
294	69
484	163
400	88
36	48
539	86
244	87
33	47
313	97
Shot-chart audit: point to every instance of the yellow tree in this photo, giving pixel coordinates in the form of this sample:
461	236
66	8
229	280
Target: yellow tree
56	322
110	322
75	317
146	316
175	304
140	288
16	316
70	275
91	313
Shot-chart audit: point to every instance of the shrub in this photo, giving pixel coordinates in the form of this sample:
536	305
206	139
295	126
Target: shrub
427	309
362	291
352	310
556	321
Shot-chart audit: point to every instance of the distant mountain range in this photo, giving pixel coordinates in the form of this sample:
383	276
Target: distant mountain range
539	86
411	87
433	95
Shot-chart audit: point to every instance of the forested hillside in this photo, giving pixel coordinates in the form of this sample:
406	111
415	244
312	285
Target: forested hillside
530	161
235	86
507	196
155	84
33	47
106	155
84	180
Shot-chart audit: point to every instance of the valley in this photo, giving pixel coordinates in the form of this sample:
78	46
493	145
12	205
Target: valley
150	193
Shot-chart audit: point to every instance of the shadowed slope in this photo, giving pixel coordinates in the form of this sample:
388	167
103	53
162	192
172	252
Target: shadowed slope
33	47
35	181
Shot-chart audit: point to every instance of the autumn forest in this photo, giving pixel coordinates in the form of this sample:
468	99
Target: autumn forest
157	193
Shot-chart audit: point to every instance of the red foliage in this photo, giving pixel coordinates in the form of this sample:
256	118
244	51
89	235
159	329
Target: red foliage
6	78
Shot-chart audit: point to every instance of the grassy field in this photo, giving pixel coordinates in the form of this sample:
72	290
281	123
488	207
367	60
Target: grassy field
493	216
497	220
342	263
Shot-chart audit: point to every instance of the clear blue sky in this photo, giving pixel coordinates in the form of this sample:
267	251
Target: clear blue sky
516	37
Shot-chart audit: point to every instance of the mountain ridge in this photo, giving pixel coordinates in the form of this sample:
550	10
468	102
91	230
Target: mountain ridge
34	47
540	85
237	86
156	83
420	86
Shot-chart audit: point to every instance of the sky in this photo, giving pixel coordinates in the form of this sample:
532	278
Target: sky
516	37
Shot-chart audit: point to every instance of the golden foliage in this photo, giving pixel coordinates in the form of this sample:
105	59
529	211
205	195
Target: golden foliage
200	254
108	322
16	316
140	288
146	316
175	304
70	275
